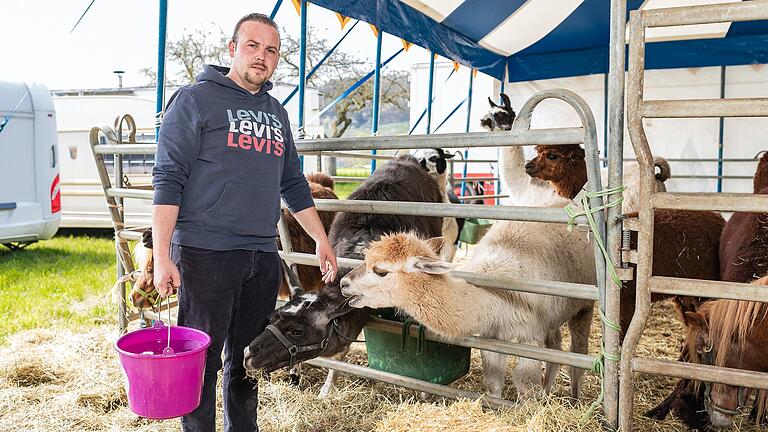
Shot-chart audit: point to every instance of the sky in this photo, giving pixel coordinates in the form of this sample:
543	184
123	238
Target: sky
37	44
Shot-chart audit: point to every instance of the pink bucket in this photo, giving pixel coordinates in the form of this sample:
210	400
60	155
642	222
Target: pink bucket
163	386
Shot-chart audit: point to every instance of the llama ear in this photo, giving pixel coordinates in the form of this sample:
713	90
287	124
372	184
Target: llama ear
490	101
505	100
695	320
436	244
422	264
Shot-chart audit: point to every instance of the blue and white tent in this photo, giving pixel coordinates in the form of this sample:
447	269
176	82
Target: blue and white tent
540	39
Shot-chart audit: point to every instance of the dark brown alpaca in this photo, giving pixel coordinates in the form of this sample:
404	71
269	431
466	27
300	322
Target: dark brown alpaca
744	242
321	186
685	242
743	258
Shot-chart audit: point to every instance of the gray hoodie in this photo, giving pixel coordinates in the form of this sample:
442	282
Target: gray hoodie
225	156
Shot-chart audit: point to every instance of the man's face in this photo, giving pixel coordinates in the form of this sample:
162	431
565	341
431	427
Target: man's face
256	53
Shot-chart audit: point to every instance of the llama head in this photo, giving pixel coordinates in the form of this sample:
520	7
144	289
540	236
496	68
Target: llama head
561	165
434	161
499	117
397	268
305	320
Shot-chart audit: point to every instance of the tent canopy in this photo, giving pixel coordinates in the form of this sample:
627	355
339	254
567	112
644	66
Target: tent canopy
541	39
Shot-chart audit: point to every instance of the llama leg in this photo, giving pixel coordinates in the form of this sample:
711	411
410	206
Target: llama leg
555	341
330	380
579	326
450	234
494	371
526	376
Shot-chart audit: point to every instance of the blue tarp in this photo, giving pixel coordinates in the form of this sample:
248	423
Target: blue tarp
540	39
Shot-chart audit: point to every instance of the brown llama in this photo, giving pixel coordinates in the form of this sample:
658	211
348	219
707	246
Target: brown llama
685	242
321	186
564	167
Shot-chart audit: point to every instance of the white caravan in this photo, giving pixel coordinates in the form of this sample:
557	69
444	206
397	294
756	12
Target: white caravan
30	200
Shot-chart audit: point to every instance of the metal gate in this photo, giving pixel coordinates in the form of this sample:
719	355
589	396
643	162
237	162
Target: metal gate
637	109
521	134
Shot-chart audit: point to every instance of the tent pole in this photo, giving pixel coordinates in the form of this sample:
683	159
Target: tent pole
429	95
466	129
721	132
160	95
376	94
275	9
302	71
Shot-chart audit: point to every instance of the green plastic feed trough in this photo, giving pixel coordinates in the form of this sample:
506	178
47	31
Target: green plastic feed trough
436	362
474	230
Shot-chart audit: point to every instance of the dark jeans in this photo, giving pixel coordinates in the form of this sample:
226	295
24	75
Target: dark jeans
231	296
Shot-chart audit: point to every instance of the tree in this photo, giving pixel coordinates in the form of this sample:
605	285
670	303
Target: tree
186	56
339	72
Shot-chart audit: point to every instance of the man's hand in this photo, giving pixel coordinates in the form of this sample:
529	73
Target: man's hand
327	258
167	278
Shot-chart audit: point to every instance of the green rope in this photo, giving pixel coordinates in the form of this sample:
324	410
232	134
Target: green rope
598	366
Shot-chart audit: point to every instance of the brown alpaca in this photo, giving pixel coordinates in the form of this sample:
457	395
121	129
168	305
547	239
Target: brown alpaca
686	243
744	247
321	186
733	334
564	167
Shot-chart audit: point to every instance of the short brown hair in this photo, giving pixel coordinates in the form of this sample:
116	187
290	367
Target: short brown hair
264	19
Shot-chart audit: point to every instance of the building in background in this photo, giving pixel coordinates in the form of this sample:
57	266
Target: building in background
78	110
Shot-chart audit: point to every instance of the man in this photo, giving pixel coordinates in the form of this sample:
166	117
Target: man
225	155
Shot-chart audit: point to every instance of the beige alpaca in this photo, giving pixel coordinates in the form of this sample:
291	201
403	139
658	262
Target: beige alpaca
403	271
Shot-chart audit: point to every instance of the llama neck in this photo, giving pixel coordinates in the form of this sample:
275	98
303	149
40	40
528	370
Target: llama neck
452	308
522	188
571	185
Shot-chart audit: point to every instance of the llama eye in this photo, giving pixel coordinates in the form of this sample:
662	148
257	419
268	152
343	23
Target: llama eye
379	272
552	157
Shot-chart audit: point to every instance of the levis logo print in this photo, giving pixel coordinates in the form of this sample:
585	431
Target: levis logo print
255	131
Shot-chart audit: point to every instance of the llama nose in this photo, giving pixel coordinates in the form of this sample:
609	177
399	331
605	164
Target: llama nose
344	284
529	166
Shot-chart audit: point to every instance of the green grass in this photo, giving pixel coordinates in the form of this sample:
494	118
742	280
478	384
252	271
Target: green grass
62	282
343	189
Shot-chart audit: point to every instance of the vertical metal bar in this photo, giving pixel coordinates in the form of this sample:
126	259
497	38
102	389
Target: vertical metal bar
120	243
275	9
376	94
720	136
429	95
498	150
302	70
466	129
160	94
614	140
645	236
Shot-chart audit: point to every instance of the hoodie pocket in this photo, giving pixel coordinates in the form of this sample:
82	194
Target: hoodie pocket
245	209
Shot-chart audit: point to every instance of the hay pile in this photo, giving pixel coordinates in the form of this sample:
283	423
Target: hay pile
61	381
